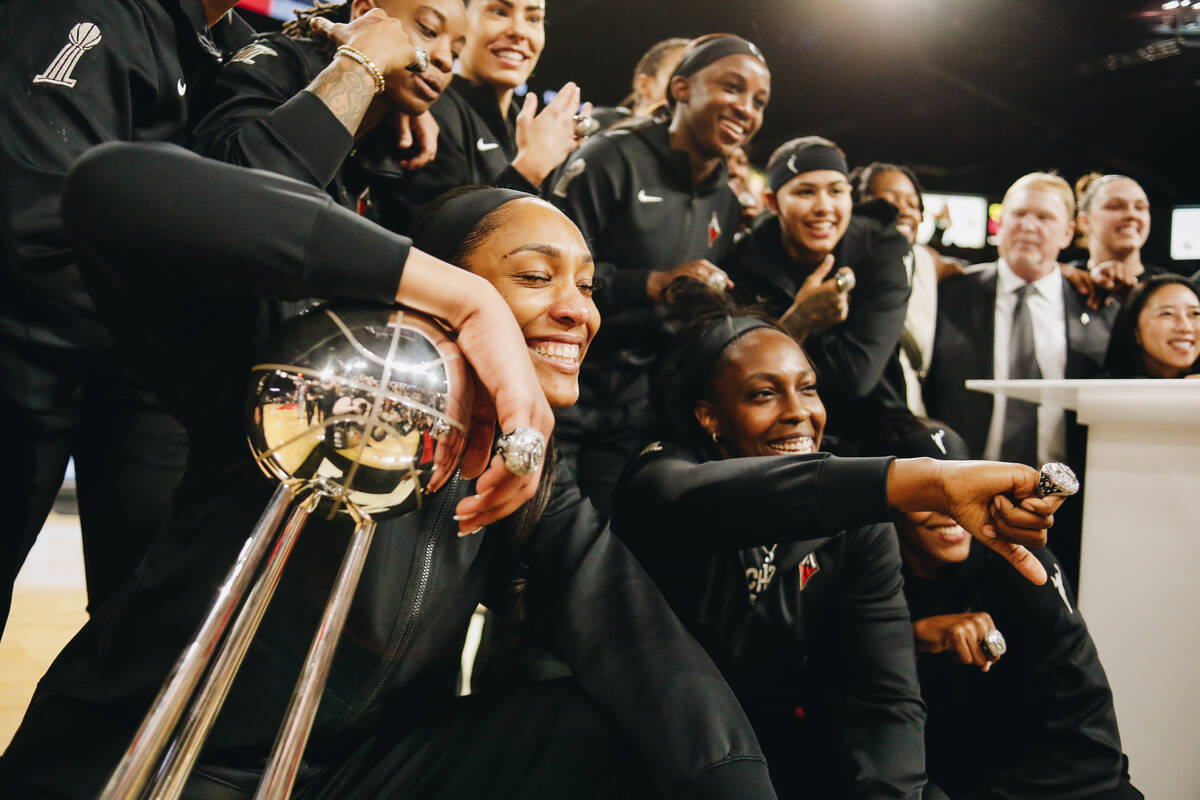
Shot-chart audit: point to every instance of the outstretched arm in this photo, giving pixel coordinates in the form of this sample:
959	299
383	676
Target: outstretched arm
746	502
150	250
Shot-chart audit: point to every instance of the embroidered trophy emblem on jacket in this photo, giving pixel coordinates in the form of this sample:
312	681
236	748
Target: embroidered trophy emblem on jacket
83	36
252	51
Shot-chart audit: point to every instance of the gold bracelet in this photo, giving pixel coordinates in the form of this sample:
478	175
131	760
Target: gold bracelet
368	65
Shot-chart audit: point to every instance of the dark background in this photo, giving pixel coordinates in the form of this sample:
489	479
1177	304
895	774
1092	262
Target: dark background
970	93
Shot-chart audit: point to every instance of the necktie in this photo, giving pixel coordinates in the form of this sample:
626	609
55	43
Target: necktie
1019	443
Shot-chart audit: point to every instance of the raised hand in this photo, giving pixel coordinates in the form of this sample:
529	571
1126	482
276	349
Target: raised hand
818	304
545	139
510	392
379	37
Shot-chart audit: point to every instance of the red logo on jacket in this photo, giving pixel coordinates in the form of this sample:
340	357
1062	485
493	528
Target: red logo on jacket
808	568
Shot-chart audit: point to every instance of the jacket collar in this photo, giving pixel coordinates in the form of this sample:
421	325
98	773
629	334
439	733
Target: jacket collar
677	163
230	30
482	100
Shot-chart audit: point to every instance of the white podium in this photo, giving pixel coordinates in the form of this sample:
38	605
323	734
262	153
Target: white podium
1140	564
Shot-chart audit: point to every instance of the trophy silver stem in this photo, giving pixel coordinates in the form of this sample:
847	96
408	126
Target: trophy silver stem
131	774
289	745
185	748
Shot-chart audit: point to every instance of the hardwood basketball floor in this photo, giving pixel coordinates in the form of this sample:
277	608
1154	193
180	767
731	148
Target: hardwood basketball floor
47	609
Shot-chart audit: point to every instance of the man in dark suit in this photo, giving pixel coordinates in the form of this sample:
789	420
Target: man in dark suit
1018	317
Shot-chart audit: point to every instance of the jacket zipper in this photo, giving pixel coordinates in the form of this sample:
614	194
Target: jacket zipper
684	232
401	645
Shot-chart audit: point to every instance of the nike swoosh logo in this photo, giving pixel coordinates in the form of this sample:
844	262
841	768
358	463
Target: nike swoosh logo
483	146
181	87
792	164
648	198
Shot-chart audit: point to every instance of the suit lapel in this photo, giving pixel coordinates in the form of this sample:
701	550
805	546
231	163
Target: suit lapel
984	323
1087	334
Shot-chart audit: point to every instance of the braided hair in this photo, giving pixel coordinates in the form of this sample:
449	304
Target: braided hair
336	10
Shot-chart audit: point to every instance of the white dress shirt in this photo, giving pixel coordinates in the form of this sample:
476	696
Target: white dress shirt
920	324
1048	316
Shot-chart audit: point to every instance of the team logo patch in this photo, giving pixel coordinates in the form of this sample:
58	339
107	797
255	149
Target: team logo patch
83	37
572	171
714	230
250	52
808	567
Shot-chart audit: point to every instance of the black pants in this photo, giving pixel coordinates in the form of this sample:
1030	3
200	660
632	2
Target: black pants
536	741
58	402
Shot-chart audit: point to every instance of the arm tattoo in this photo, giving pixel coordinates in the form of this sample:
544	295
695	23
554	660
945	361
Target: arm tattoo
347	89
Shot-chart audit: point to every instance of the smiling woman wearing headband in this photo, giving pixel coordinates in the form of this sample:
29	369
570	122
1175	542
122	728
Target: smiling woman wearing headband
835	277
646	710
780	558
654	201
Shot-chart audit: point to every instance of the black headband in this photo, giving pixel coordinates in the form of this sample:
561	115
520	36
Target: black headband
802	158
696	365
699	56
442	234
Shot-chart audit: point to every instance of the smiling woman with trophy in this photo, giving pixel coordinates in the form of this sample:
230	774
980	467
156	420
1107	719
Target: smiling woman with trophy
362	409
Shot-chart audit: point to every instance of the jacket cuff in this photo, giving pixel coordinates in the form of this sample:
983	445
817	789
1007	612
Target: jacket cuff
343	263
853	492
743	779
314	134
511	178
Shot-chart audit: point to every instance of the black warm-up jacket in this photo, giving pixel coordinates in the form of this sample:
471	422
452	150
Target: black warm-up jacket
633	198
476	145
133	81
256	114
823	661
1051	731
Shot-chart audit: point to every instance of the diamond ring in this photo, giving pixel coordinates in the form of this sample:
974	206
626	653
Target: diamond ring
420	61
1057	480
845	281
993	644
522	450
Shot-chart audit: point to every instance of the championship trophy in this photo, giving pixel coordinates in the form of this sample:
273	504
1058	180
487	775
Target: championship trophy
355	410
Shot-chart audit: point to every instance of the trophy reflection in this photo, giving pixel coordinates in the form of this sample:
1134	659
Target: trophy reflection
354	409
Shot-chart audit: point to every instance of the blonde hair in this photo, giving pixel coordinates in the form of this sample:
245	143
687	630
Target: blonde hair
1087	187
1046	182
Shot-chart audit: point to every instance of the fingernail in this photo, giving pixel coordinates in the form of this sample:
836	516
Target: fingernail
460	517
469	533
